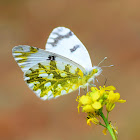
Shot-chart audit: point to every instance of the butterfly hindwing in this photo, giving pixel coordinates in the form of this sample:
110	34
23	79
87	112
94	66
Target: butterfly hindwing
50	78
63	42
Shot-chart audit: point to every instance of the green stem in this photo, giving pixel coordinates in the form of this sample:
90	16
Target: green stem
107	125
107	115
102	125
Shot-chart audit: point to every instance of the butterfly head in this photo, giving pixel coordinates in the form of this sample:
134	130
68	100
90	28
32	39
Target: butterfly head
94	72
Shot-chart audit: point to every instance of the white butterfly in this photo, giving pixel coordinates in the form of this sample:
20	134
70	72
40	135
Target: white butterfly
61	68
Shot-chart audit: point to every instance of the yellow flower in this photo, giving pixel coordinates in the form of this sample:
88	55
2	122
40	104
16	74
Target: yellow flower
94	101
110	106
93	120
114	128
104	131
113	97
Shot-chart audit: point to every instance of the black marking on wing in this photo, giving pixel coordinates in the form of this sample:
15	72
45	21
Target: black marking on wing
59	37
74	48
51	57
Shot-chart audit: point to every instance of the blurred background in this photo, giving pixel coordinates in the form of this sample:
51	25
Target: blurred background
107	28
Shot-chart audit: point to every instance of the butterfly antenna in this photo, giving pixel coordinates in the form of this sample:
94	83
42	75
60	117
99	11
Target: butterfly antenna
102	61
107	66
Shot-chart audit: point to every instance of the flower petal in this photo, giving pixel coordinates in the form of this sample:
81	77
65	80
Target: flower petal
121	101
84	100
96	105
110	88
88	108
95	95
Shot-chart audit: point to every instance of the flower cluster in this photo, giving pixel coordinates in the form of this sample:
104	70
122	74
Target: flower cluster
92	103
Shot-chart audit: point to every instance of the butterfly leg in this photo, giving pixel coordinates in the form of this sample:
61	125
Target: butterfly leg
87	87
93	83
79	91
93	80
97	80
85	90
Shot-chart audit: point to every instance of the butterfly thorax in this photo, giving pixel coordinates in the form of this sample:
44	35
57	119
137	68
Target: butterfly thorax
90	76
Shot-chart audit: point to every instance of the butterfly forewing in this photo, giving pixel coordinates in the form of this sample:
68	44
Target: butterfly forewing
63	42
50	79
27	56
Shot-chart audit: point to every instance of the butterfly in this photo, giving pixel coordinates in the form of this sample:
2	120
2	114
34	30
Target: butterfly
61	68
